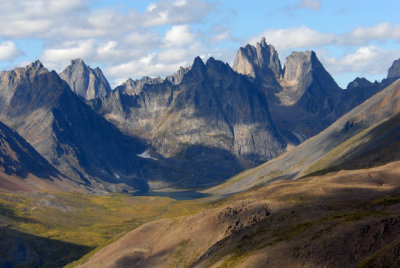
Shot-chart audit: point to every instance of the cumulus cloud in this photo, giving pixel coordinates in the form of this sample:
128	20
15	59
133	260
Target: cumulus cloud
175	12
311	4
367	59
179	35
9	51
296	38
380	32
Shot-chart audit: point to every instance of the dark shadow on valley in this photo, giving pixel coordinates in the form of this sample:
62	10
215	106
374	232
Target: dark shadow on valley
18	249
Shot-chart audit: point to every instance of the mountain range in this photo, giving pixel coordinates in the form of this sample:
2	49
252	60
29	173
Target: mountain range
294	170
194	129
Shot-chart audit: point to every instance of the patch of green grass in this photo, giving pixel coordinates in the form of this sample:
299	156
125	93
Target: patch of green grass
83	220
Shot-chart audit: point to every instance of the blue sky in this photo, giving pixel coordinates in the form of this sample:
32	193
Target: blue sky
154	38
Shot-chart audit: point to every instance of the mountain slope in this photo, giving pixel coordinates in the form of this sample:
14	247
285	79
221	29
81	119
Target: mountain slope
343	219
81	144
362	131
84	81
22	168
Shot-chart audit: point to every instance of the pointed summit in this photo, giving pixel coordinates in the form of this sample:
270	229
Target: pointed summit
197	63
85	81
177	77
258	61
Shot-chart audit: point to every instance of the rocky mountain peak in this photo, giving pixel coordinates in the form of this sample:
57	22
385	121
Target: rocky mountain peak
298	64
32	69
134	87
394	70
359	83
84	81
177	77
260	60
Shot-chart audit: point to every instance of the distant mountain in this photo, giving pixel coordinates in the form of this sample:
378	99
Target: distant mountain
303	97
134	87
214	116
60	126
84	81
394	70
177	77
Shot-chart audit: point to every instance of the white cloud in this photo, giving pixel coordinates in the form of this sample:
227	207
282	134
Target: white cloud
295	38
380	32
9	51
311	4
175	12
142	67
367	60
179	35
57	58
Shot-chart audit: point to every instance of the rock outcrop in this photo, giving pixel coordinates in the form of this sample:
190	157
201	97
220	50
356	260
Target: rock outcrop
177	77
394	70
134	87
84	81
259	61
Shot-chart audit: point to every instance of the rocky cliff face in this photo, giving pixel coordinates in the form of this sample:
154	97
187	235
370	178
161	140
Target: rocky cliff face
394	70
261	60
212	107
177	77
134	87
84	81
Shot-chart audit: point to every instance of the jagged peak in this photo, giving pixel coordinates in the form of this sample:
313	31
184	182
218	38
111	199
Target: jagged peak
258	60
359	82
77	61
34	67
197	62
394	70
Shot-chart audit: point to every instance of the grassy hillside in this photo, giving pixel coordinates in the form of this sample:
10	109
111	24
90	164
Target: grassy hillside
70	222
341	219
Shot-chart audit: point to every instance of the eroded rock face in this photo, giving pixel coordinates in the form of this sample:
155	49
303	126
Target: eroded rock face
134	87
84	81
177	77
394	70
261	61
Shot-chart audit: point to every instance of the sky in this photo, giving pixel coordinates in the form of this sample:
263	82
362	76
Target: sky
131	39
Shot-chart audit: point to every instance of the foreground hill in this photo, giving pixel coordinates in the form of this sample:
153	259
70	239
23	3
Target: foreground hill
342	219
